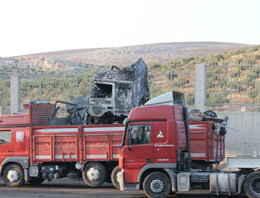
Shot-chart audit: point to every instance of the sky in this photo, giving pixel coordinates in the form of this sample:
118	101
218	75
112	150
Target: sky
33	26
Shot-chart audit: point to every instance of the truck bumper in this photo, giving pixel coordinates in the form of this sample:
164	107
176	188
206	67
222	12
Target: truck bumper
124	186
121	180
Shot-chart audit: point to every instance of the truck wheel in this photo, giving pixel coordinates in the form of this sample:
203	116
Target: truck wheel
252	185
13	175
115	177
35	181
94	174
157	185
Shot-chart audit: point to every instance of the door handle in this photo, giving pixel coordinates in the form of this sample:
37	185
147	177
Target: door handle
149	160
10	151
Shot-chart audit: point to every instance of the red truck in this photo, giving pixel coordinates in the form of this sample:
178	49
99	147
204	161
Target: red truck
32	151
155	156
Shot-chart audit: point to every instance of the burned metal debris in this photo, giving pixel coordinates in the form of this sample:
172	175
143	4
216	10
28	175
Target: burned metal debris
113	94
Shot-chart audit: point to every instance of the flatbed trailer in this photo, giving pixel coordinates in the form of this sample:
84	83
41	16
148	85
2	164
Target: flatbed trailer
32	151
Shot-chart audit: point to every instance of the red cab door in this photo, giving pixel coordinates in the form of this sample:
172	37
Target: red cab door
139	149
162	146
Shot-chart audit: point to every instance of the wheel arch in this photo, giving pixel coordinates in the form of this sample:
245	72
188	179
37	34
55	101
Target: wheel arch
22	161
109	165
167	170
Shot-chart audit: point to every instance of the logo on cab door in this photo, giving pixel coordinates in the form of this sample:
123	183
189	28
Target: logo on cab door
19	136
160	135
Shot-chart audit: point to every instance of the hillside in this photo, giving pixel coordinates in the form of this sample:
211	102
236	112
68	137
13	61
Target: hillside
91	60
176	73
122	56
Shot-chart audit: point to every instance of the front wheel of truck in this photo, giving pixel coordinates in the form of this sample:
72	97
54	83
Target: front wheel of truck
157	185
13	175
94	174
115	177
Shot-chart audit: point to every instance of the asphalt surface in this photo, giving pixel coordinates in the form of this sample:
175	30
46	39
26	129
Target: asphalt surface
70	188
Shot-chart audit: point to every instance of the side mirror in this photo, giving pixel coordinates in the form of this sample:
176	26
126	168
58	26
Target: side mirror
126	121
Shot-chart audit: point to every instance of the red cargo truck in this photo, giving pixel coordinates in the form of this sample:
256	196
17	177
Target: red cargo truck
33	152
163	166
207	145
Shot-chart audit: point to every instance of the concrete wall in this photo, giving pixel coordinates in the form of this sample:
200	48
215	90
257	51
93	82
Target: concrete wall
248	139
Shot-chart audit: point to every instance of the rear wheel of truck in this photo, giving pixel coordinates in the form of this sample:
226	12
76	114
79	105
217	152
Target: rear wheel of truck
115	177
252	185
157	185
94	174
13	175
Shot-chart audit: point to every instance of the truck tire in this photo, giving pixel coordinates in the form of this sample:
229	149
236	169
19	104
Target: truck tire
94	174
157	185
13	175
35	181
115	178
252	185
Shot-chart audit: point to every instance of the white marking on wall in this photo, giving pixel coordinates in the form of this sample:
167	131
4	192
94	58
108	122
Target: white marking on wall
59	130
96	156
169	145
93	145
198	155
197	131
55	135
197	126
65	157
116	156
104	129
43	157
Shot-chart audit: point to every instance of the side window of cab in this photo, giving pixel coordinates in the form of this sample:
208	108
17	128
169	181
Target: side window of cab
5	137
139	134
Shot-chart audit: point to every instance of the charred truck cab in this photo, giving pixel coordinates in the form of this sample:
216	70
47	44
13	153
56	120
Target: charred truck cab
115	92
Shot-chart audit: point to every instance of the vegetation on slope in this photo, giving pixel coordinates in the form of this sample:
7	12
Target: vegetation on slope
176	75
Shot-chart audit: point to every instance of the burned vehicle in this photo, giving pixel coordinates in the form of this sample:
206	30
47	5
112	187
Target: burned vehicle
113	94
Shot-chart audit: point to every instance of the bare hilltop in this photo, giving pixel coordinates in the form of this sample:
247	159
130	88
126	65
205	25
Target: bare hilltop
160	52
92	59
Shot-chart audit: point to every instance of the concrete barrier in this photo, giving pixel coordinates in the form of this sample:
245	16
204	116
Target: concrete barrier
247	140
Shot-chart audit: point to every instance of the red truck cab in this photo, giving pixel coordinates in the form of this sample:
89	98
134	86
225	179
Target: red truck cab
156	155
155	139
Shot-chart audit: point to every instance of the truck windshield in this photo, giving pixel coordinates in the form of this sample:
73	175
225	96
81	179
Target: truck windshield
102	90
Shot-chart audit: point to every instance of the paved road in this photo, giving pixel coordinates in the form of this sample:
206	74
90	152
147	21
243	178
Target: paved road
75	189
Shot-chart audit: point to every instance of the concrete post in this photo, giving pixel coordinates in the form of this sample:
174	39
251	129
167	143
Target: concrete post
201	87
15	94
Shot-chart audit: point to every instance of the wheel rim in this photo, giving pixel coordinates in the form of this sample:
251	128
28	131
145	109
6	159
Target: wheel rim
256	185
93	174
12	176
118	177
157	186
